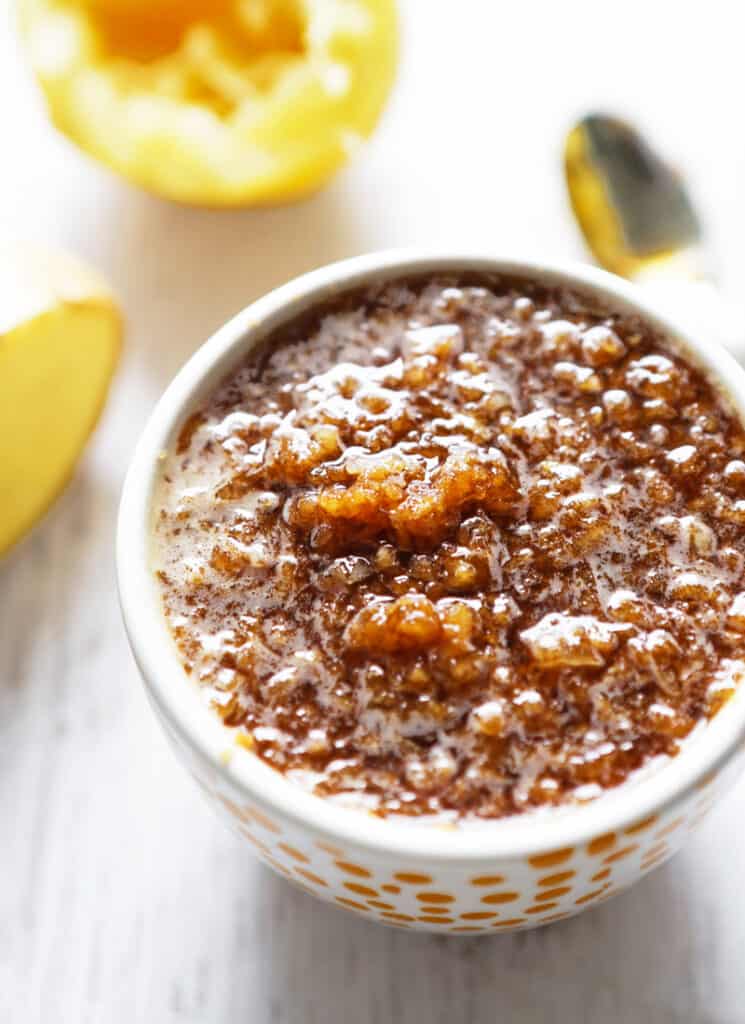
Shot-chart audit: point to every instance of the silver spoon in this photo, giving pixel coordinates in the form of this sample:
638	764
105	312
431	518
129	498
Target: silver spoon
639	221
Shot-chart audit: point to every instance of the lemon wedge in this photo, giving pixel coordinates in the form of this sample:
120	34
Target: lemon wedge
215	102
60	334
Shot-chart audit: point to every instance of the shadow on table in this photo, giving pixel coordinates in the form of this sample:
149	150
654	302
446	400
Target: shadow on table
181	272
40	578
613	964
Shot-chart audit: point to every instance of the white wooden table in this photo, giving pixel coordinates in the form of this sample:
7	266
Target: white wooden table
121	898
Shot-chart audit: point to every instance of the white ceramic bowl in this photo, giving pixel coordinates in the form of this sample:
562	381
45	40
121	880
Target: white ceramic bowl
511	873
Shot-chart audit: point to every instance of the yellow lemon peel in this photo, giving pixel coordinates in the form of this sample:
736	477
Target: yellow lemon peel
60	334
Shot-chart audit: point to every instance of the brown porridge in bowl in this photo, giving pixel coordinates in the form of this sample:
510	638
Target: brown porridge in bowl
459	545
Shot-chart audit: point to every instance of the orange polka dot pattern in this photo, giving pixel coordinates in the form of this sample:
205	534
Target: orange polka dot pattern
481	899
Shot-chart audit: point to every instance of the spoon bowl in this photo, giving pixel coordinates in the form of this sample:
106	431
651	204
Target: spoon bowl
632	207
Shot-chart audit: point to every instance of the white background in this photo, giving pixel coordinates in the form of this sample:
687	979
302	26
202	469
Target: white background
121	898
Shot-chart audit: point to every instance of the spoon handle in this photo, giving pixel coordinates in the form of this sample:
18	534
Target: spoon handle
699	306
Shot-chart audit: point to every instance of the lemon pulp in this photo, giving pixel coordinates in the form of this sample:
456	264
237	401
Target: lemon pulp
230	102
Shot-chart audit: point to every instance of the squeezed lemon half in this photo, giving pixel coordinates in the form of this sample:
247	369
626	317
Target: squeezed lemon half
215	102
60	333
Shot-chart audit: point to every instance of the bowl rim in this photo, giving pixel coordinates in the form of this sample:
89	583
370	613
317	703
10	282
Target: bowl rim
183	707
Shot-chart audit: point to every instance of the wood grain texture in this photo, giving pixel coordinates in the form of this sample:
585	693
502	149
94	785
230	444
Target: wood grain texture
122	900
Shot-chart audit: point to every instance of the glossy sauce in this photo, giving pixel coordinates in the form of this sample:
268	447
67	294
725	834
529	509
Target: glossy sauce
465	547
